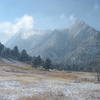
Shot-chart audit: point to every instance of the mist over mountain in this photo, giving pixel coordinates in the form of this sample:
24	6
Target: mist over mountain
77	45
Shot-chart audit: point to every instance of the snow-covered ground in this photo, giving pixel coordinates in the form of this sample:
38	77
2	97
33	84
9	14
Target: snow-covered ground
13	90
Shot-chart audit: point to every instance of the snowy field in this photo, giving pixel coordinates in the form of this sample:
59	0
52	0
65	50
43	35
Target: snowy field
14	90
32	84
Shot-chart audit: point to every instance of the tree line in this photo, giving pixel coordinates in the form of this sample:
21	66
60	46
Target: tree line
47	64
23	56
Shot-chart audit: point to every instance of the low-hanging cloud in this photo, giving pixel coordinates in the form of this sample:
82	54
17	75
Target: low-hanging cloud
21	25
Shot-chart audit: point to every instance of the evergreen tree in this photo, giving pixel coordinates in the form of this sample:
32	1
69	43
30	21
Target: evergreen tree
24	56
15	53
47	64
6	53
1	48
37	61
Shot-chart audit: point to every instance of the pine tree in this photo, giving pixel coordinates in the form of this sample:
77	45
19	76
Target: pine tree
47	64
24	56
6	53
1	48
37	61
15	53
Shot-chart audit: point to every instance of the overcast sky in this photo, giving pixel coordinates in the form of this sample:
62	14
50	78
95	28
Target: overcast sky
16	15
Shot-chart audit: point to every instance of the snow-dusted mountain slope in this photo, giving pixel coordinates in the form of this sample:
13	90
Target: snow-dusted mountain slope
77	44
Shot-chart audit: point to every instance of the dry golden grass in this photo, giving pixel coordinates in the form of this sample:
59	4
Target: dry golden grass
25	72
98	90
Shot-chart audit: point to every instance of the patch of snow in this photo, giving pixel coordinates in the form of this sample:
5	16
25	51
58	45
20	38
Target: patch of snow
74	91
9	84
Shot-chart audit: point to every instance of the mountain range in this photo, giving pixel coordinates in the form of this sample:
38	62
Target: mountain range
79	44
